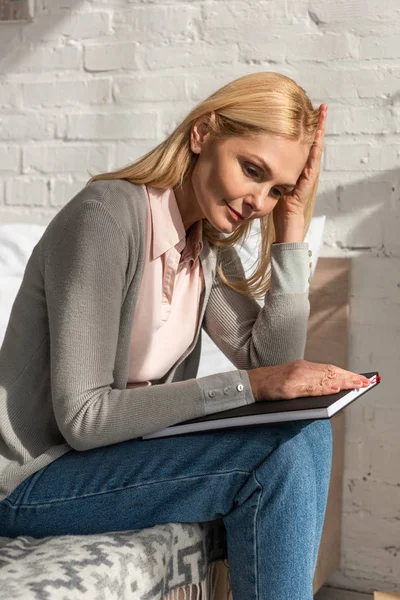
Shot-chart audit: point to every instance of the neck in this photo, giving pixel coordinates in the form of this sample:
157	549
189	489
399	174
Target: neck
187	203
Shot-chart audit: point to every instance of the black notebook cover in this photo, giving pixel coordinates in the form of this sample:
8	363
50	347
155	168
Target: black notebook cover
275	411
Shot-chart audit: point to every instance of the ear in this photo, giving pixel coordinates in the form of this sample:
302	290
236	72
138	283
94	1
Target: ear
200	132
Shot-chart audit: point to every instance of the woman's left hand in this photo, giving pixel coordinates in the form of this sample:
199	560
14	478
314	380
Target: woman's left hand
289	213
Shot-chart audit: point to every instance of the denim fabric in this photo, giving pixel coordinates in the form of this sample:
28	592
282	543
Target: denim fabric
269	484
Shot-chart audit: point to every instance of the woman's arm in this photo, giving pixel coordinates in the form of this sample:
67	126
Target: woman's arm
251	336
85	279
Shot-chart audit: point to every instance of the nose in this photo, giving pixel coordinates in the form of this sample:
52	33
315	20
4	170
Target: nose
261	204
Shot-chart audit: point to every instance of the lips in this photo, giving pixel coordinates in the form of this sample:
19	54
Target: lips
235	211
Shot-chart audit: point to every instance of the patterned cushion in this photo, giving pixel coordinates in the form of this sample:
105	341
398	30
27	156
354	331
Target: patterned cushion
139	564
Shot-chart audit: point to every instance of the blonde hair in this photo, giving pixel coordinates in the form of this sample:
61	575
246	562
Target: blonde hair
264	102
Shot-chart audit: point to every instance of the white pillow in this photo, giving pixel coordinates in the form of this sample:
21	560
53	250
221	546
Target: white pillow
212	360
315	234
17	241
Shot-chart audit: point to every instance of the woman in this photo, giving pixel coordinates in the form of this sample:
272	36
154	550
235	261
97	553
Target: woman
103	345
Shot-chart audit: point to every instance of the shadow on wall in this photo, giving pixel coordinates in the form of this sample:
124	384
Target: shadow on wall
361	215
16	38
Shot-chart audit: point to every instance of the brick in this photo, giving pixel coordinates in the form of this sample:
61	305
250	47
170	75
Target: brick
67	92
78	27
32	126
396	117
326	84
204	81
66	158
269	51
10	94
48	58
385	157
361	157
347	157
9	158
359	119
183	55
150	88
54	6
115	126
365	200
239	22
26	191
127	152
109	57
367	233
298	46
171	117
382	82
327	202
321	47
298	12
158	23
364	194
345	12
373	46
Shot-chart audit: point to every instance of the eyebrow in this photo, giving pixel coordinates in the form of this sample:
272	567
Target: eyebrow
268	169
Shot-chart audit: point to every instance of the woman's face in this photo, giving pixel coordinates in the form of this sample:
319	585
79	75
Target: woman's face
230	174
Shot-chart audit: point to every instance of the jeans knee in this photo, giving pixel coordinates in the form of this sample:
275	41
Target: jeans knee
305	452
319	436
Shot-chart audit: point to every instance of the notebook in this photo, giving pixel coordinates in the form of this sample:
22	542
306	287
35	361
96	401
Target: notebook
275	411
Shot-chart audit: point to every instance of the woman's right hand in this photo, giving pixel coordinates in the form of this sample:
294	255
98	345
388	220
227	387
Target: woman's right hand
301	378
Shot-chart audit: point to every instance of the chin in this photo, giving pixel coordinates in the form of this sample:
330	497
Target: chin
222	223
223	226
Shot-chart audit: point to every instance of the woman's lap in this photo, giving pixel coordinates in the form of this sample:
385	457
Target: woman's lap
141	483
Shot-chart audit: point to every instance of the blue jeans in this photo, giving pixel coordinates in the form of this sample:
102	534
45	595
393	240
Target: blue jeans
268	483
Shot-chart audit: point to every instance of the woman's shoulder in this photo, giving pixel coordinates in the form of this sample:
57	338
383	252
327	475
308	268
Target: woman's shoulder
126	201
116	189
122	202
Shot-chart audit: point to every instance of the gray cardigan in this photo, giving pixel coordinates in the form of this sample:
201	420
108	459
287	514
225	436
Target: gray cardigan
64	358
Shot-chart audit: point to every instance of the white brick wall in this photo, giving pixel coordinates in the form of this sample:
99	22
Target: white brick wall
93	84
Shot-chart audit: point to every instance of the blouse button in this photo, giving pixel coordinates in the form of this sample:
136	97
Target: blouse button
226	391
240	387
310	253
211	394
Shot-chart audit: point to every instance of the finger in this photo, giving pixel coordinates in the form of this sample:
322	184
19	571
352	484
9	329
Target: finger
319	134
335	372
313	164
324	387
316	150
322	115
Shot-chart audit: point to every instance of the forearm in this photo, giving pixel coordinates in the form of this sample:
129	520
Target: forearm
291	231
252	337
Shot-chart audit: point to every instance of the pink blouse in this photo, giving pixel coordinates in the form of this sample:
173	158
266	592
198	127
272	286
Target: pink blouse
167	309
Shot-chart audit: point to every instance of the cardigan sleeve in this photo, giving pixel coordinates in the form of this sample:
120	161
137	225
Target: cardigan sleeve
252	336
84	280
